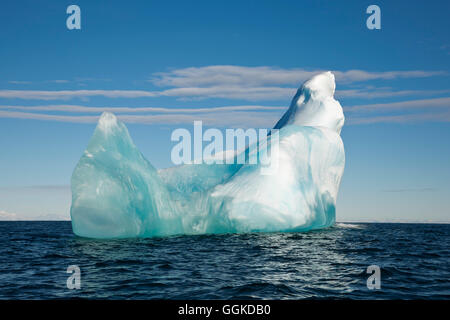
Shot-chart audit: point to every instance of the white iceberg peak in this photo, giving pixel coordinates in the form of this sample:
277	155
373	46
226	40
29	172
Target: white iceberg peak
315	106
321	85
107	121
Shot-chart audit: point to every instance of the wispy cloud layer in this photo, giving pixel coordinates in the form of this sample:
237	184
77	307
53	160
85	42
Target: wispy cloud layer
69	94
224	92
437	109
425	189
266	76
12	216
85	109
410	111
403	105
236	82
373	93
402	118
220	119
8	216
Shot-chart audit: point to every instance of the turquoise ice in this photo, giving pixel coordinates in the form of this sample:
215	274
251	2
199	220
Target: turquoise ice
117	193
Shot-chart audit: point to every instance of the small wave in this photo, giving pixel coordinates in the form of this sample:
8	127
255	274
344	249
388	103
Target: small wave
350	225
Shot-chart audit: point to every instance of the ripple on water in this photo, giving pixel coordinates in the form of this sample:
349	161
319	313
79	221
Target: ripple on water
331	263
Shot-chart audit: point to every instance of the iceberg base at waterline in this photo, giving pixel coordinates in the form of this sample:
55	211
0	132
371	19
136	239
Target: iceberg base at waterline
117	193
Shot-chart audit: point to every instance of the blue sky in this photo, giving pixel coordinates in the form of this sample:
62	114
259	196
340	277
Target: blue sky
157	61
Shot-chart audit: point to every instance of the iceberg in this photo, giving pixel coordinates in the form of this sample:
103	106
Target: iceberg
117	193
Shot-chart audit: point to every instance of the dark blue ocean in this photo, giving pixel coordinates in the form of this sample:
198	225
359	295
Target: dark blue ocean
413	259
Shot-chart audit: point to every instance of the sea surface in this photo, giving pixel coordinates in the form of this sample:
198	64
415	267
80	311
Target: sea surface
331	263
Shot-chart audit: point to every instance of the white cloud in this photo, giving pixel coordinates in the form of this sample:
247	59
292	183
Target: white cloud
231	92
58	81
221	119
37	188
234	82
221	75
403	105
403	118
19	82
229	75
234	116
224	92
85	109
361	75
372	93
430	111
8	216
49	217
48	117
69	94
